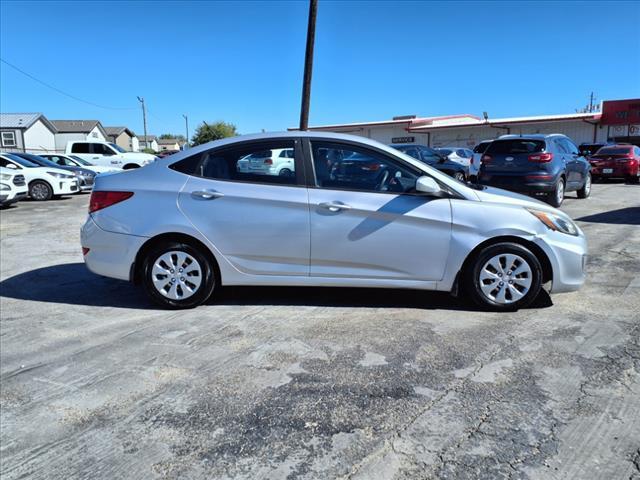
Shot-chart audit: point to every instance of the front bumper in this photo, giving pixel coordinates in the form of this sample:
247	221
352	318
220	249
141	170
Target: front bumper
568	257
65	187
110	254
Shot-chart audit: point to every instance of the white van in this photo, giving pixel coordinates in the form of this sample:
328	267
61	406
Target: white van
108	154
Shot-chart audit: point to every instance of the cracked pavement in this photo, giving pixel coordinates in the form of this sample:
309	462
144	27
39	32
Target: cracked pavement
315	383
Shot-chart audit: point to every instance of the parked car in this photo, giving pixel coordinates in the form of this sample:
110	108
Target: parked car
74	161
44	183
617	161
434	159
85	177
463	156
108	154
546	165
478	151
13	186
193	221
269	162
166	153
588	149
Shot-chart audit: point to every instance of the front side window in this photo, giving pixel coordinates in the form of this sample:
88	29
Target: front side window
80	148
266	162
8	139
101	149
346	167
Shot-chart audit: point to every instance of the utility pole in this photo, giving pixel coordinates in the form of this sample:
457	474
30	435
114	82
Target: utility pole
144	122
308	65
186	123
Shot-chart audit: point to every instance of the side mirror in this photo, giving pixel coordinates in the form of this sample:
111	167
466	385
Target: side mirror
427	185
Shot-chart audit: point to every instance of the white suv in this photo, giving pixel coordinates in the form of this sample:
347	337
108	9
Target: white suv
108	154
13	186
43	182
269	162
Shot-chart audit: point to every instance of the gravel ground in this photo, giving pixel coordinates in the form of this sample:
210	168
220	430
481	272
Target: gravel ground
96	383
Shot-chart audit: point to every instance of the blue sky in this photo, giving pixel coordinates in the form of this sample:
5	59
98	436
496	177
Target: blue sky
242	62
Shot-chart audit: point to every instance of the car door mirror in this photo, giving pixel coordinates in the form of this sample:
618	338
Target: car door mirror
427	185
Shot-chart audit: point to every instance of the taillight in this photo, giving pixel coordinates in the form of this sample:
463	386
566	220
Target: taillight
541	157
268	161
101	199
486	158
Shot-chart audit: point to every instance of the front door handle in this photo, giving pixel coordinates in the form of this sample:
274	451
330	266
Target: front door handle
335	206
207	194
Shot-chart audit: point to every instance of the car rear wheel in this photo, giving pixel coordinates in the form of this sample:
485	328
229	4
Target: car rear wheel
177	275
504	277
556	196
585	191
40	191
130	166
633	179
285	172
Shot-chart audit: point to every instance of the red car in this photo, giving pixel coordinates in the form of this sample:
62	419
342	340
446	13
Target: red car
616	161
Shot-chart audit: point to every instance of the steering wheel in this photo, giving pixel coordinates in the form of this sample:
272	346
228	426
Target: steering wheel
382	184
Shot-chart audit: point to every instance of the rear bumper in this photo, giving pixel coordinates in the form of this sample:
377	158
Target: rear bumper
110	254
615	172
520	183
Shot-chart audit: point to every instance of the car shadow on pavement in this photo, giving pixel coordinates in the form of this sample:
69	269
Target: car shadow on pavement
622	216
74	284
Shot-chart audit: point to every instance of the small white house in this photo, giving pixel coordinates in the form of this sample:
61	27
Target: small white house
26	132
148	141
168	144
77	131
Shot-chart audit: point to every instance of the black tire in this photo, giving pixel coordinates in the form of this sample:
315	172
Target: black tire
40	191
553	197
130	166
472	282
201	294
585	191
285	172
633	179
460	177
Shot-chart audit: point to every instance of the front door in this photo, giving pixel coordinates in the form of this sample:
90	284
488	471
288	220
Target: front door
368	222
257	218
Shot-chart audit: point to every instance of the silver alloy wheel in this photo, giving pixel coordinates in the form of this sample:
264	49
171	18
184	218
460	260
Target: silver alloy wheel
587	185
40	191
505	278
560	192
176	275
460	177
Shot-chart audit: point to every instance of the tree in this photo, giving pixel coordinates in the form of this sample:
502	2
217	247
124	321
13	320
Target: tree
166	136
207	132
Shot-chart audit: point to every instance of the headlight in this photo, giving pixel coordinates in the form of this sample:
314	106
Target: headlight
60	175
6	177
4	187
555	222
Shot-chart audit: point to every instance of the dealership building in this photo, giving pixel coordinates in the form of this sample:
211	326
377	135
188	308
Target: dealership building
617	121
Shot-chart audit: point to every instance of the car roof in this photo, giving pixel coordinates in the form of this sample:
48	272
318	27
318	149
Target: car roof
532	136
395	145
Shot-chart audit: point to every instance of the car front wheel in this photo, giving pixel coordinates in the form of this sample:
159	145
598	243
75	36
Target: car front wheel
40	191
177	275
504	277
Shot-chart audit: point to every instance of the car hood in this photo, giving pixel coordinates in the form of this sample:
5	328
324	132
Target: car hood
497	195
139	156
99	169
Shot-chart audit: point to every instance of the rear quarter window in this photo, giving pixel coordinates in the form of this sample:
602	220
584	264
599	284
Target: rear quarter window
187	165
516	146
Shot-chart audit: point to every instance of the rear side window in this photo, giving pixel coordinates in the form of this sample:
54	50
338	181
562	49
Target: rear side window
80	148
516	146
614	151
256	163
481	147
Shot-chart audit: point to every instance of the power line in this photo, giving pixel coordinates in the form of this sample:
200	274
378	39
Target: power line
62	92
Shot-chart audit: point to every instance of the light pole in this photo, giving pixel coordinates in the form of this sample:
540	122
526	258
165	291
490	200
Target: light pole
186	124
308	65
144	122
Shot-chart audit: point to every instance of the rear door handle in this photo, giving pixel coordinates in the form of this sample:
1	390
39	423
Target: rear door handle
335	206
207	194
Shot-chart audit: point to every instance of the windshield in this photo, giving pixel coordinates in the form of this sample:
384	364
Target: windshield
80	161
21	161
614	151
516	146
118	148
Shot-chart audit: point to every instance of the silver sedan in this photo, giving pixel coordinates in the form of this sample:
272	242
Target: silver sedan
352	212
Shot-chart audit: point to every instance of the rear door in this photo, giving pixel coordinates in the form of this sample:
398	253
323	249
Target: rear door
257	219
374	230
511	156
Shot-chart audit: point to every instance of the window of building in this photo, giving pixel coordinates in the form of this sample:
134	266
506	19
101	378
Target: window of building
8	139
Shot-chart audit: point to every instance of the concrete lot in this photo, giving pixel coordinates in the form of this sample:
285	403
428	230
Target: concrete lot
315	383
